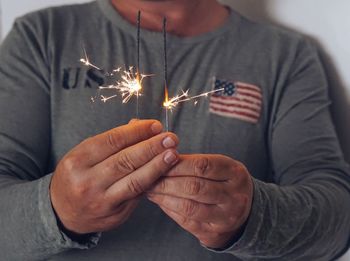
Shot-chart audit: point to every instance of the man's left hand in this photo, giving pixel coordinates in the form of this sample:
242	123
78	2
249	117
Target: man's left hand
210	196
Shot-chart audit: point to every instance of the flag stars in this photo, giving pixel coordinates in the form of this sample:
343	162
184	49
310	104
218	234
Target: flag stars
229	89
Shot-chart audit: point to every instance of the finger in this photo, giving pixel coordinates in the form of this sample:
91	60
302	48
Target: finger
100	147
141	179
213	167
190	209
133	121
194	188
128	160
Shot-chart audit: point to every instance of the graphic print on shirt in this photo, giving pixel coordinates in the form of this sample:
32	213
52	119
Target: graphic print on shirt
72	76
238	100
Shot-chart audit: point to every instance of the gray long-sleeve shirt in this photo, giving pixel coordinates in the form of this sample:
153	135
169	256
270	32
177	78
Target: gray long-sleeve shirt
273	116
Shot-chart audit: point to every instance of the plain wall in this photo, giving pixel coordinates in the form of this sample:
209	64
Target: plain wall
326	22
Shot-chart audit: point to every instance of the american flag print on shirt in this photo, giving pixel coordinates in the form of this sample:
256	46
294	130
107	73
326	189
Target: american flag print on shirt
237	100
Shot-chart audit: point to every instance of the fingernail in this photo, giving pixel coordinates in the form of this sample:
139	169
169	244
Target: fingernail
170	157
156	127
168	143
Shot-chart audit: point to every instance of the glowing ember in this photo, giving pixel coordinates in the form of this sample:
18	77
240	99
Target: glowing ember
170	104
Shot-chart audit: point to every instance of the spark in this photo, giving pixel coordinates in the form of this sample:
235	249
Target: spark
171	103
87	62
105	99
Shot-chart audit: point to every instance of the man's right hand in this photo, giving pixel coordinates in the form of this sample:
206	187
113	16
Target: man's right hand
97	185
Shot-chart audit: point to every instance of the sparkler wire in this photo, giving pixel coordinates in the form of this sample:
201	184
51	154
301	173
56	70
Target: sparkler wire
166	72
138	40
165	52
138	59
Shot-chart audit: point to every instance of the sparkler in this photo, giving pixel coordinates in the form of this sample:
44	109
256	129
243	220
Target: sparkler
166	92
138	85
171	103
131	81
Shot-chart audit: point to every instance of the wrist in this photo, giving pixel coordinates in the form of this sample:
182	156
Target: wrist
76	237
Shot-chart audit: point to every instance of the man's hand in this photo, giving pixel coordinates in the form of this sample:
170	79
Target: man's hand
97	184
210	196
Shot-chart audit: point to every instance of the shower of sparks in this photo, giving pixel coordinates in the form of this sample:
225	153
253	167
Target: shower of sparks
171	103
131	80
130	85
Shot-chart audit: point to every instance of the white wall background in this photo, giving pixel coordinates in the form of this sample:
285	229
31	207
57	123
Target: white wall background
327	22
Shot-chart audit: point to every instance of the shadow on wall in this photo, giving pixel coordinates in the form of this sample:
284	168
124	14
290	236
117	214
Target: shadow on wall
260	11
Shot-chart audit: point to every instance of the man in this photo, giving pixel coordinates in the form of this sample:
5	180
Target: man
253	172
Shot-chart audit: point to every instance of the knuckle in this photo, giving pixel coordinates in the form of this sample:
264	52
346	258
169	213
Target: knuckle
159	166
151	149
110	166
193	186
135	186
80	187
187	223
240	168
189	208
183	220
125	163
71	163
201	165
115	140
162	185
241	174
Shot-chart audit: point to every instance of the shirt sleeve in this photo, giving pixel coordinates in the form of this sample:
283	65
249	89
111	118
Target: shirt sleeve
305	214
29	229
